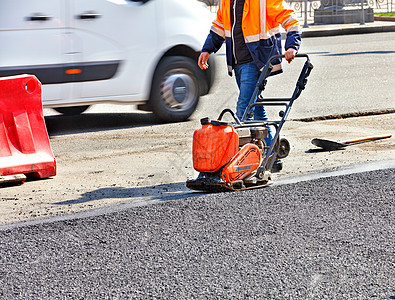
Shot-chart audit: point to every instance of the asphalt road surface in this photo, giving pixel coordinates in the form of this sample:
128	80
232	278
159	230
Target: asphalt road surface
329	238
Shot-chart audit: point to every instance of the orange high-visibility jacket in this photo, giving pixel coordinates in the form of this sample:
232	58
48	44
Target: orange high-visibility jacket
261	29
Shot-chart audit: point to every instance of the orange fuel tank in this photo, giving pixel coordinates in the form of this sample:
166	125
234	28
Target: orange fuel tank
213	147
244	163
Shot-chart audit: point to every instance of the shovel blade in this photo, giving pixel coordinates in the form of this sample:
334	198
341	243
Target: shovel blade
327	144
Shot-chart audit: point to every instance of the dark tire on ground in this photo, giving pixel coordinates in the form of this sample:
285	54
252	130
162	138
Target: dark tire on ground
71	110
284	148
175	89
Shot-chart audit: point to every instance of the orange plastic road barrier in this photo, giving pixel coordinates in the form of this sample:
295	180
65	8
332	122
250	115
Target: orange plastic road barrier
24	142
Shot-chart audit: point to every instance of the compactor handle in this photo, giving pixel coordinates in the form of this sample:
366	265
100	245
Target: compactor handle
302	81
283	56
267	69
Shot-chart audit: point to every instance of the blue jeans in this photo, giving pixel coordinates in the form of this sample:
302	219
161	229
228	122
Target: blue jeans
247	76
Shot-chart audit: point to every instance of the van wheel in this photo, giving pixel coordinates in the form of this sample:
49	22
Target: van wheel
175	89
71	110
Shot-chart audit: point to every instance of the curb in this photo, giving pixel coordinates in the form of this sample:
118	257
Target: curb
383	18
346	31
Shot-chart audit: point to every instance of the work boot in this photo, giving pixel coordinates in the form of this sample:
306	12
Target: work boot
277	166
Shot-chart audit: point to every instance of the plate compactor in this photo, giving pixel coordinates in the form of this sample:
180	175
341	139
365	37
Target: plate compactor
234	156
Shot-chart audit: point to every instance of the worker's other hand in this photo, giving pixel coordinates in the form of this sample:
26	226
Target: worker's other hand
202	61
290	54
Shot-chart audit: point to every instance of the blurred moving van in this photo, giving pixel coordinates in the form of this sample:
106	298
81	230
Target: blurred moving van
85	52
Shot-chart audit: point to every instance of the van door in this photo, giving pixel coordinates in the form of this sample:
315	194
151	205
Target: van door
33	39
116	40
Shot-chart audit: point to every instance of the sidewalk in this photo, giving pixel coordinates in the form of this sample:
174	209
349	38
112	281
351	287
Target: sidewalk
321	30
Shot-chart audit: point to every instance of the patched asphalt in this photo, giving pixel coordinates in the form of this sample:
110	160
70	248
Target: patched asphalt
329	238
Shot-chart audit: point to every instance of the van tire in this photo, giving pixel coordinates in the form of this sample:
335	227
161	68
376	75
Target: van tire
71	110
175	89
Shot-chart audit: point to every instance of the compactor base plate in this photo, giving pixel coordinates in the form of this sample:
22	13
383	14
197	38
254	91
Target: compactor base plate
209	186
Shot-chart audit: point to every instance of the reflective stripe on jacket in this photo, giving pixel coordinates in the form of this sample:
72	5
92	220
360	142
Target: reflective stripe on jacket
261	29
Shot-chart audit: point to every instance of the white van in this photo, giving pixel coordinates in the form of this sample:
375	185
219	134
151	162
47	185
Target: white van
86	52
